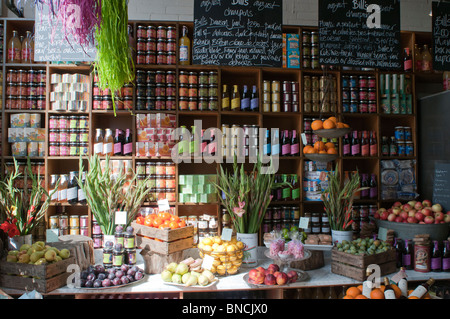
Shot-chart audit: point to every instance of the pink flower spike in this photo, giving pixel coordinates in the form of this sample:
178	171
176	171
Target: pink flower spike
239	211
241	205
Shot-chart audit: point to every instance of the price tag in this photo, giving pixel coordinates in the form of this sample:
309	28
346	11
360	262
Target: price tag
226	234
207	262
163	205
304	223
121	218
304	140
382	233
52	235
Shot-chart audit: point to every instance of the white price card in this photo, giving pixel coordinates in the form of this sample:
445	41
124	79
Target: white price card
52	235
163	205
226	234
304	223
121	218
304	140
207	262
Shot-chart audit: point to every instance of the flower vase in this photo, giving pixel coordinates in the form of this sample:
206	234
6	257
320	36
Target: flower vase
250	242
15	242
339	236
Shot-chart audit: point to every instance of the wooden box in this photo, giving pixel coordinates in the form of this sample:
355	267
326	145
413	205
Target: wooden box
354	266
163	241
42	278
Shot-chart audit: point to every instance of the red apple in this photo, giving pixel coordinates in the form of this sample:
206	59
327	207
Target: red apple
376	215
261	269
392	217
270	280
429	220
418	206
447	218
275	267
422	223
439	216
404	215
420	217
412	213
384	215
397	210
426	203
436	208
412	220
398	219
269	271
427	211
397	204
442	222
406	207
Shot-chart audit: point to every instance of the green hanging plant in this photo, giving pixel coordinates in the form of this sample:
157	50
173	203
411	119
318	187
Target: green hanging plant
114	63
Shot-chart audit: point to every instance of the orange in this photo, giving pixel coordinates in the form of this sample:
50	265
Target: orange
182	224
329	145
332	151
319	146
166	223
426	296
348	297
329	124
360	287
317	125
173	225
353	291
340	125
307	149
174	218
346	125
323	152
361	297
157	222
376	294
413	297
162	226
397	291
382	288
333	119
140	220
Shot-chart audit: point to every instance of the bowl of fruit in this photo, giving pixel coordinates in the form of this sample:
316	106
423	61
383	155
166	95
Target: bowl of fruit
227	255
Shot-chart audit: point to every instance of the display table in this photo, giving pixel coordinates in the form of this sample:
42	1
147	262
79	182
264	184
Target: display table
153	284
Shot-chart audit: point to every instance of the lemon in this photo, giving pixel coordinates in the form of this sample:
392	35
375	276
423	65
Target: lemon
240	245
214	246
216	263
232	270
207	241
221	270
221	249
217	240
207	249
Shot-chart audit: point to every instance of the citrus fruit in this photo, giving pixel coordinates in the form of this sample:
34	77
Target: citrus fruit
317	125
376	294
361	297
329	124
353	291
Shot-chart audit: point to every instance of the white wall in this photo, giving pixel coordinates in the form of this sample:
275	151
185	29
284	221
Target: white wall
414	13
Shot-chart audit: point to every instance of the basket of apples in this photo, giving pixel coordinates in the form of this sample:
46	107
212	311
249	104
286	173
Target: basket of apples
415	217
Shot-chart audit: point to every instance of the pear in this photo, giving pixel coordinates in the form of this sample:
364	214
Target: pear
64	253
24	247
36	256
40	243
41	261
13	252
50	255
24	259
192	281
172	267
58	258
37	247
185	277
31	250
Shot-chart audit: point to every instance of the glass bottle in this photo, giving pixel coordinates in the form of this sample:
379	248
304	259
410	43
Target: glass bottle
245	100
62	189
365	184
31	41
367	284
26	49
267	144
407	61
98	142
446	80
108	143
356	146
426	59
254	101
295	187
225	98
407	256
373	144
373	192
52	187
14	48
286	192
393	148
422	289
185	47
235	99
398	252
212	145
81	194
346	145
295	144
403	283
357	194
275	142
118	143
285	144
446	256
436	257
127	144
417	58
72	189
365	146
389	292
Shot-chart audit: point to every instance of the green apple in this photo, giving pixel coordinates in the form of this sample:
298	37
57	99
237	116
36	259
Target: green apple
50	255
13	252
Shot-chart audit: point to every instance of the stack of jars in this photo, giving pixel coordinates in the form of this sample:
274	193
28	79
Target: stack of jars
102	99
25	89
320	94
280	96
241	141
359	94
310	45
198	91
318	224
361	216
156	45
155	90
279	217
162	179
68	135
37	168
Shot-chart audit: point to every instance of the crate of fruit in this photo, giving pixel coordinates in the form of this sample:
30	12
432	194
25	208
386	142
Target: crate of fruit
353	262
163	240
42	268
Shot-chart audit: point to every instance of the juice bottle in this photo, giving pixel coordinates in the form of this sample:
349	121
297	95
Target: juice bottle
185	47
14	48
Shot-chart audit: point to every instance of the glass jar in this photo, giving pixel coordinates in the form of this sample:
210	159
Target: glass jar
118	260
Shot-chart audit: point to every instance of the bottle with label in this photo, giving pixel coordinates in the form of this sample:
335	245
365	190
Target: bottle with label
398	252
127	144
235	99
108	143
295	188
254	101
393	148
225	98
417	58
436	257
389	292
62	189
275	142
373	192
72	189
295	144
422	289
365	146
14	48
356	146
365	184
407	256
267	145
384	146
373	144
26	48
446	256
245	100
287	191
285	144
346	145
185	47
403	283
367	284
53	182
407	61
81	194
446	80
98	142
426	59
118	143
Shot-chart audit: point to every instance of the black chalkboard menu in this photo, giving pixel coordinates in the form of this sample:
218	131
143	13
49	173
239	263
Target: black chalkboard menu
50	44
348	36
238	33
441	36
441	184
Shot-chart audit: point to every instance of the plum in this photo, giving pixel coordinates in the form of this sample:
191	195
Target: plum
100	268
89	284
119	274
101	276
83	282
130	278
125	280
116	281
119	229
124	268
97	283
131	272
106	282
130	230
136	268
138	276
111	276
91	276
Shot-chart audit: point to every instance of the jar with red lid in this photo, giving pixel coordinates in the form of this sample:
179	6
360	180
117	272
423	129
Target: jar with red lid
170	104
149	58
127	90
160	103
150	45
141	44
171	45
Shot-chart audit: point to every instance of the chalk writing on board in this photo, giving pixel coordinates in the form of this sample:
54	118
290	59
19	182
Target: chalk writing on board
441	185
238	33
49	46
345	38
441	36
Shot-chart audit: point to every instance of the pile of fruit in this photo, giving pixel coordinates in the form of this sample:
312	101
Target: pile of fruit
271	276
321	147
363	246
162	220
37	254
378	293
98	277
294	231
414	212
227	254
181	274
328	124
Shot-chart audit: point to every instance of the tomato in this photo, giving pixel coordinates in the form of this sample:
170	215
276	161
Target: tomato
175	219
140	220
157	222
182	224
166	223
173	225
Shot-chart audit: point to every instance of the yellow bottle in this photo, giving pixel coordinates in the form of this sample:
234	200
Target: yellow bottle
185	48
236	99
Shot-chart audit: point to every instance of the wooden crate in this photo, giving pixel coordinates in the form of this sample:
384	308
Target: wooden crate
163	241
354	266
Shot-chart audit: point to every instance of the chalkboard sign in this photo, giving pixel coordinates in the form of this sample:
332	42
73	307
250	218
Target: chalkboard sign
238	33
441	36
55	47
351	36
441	184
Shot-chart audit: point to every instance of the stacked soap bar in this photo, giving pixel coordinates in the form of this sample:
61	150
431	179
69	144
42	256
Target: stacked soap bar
70	92
155	134
26	136
197	189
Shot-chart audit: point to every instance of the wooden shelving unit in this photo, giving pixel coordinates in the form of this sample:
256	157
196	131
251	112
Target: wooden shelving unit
381	123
